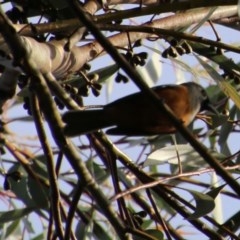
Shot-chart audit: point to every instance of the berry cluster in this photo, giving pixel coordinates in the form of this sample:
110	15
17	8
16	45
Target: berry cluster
177	49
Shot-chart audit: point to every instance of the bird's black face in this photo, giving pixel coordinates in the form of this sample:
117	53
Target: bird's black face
205	102
198	97
204	99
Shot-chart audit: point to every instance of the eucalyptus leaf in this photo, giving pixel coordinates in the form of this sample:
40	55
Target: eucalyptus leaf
39	193
186	153
154	233
215	191
13	215
223	62
184	66
204	204
13	228
103	74
41	236
225	85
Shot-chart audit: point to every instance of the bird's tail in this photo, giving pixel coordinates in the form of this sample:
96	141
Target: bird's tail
82	122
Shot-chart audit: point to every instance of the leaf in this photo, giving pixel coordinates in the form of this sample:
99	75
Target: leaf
58	4
14	214
181	64
230	91
185	67
13	228
225	85
28	224
215	191
81	231
41	236
232	224
39	167
106	72
24	119
223	62
99	173
217	213
23	92
203	20
186	152
20	187
226	128
154	67
39	193
154	233
103	74
204	204
238	5
85	231
218	120
145	75
101	232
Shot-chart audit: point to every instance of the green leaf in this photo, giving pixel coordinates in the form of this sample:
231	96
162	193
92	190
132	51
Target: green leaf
225	85
14	214
154	233
41	236
99	173
218	120
39	193
81	231
232	224
204	204
230	91
100	232
39	167
182	65
28	225
226	129
186	153
24	119
20	187
223	62
152	71
215	191
203	20
106	72
103	74
13	228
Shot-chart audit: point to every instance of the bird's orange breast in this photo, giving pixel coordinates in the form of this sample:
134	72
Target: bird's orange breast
138	113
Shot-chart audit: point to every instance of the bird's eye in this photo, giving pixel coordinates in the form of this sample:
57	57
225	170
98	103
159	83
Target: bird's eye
204	94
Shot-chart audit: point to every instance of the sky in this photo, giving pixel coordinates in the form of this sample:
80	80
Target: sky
166	73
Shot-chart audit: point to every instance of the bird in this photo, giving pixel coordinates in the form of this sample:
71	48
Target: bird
137	115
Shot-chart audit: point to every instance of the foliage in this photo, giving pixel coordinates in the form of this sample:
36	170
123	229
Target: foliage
55	58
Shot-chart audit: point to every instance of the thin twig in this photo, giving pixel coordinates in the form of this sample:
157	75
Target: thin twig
73	206
53	118
160	105
164	226
160	189
55	195
161	181
168	32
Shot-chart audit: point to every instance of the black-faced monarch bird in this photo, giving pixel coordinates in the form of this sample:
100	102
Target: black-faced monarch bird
136	115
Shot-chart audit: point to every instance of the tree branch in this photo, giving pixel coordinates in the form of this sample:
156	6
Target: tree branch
53	118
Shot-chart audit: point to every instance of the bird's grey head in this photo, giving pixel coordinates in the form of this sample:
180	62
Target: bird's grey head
199	97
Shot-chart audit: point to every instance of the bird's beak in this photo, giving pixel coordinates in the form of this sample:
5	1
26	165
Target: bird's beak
211	108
